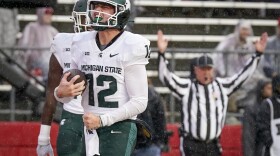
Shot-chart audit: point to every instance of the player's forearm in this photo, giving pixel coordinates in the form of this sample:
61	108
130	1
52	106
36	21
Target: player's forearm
137	89
176	84
131	109
48	112
47	117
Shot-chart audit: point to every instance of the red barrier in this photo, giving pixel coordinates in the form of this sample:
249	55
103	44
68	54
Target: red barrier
174	141
230	141
20	138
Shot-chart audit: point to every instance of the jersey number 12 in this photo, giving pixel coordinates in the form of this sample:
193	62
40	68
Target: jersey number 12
103	93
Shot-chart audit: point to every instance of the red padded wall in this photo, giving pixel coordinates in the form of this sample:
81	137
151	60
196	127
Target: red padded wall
20	138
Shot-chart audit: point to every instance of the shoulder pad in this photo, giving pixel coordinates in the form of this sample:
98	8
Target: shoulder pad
61	40
139	49
134	39
83	36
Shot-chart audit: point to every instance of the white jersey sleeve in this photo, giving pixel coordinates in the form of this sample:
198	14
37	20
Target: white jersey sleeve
136	83
137	88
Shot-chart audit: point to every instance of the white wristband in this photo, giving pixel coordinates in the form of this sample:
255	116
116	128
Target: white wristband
62	100
105	120
44	136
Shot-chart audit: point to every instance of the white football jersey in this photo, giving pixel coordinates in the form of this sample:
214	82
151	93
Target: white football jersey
61	48
106	89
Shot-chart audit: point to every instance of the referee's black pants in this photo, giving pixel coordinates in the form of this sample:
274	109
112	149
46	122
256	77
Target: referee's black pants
193	147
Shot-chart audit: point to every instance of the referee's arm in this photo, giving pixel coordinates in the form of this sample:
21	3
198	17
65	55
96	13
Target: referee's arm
231	84
177	85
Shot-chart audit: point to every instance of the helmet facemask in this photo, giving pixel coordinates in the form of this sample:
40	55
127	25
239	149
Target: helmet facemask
79	21
95	17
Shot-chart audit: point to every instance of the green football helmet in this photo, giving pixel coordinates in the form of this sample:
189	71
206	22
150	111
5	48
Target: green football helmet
79	15
118	20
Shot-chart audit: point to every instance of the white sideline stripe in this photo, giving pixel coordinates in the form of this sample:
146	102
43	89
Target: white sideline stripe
5	88
209	4
201	4
161	20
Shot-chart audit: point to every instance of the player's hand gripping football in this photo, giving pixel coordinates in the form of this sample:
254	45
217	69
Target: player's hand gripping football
44	150
69	88
261	44
91	121
162	42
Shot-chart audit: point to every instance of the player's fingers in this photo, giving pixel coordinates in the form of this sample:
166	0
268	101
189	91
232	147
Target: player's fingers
65	76
73	80
85	119
86	122
86	115
77	93
78	90
79	85
88	127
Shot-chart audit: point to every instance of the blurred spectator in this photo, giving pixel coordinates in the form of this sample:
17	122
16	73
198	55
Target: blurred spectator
273	61
155	118
228	64
237	41
268	122
40	35
250	145
8	27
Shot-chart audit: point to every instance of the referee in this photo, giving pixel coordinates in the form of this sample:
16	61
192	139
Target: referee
204	99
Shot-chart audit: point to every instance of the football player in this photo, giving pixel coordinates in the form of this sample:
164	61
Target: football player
114	62
69	141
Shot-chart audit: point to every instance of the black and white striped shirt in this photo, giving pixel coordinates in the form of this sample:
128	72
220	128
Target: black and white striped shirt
204	106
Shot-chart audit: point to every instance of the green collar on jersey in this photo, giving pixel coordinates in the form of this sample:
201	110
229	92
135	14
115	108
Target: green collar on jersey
110	43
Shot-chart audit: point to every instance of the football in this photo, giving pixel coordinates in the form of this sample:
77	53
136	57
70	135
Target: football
73	73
